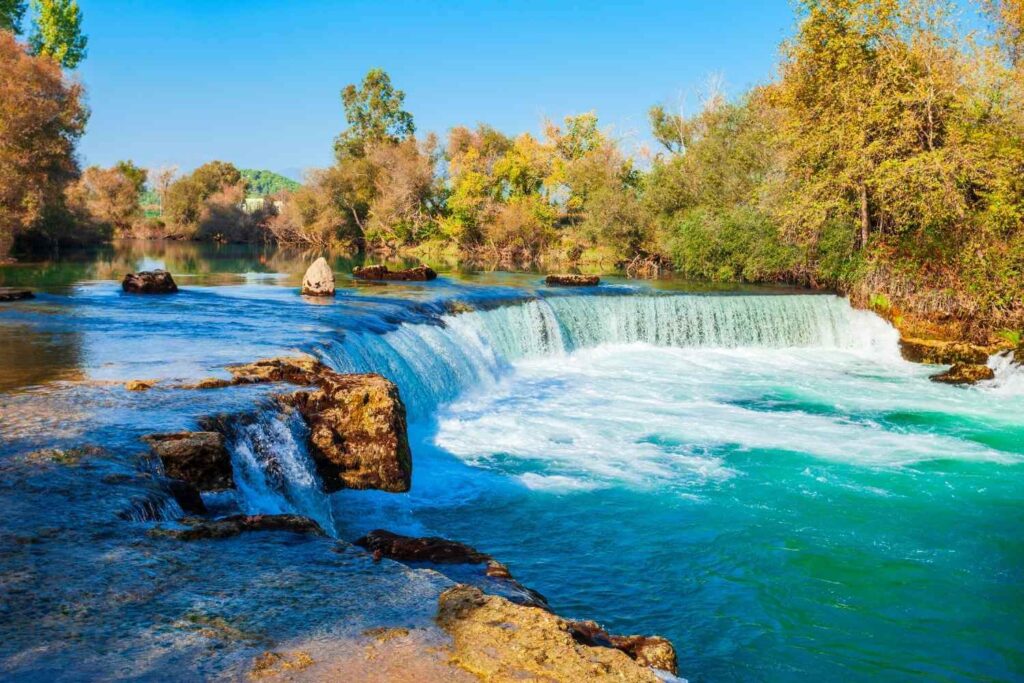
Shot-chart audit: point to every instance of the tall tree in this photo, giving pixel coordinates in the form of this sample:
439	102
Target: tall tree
57	31
374	114
11	14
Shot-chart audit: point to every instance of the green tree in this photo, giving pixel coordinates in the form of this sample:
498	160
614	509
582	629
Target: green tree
136	175
57	31
11	14
374	114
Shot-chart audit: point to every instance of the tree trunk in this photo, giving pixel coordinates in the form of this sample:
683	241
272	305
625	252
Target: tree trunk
865	221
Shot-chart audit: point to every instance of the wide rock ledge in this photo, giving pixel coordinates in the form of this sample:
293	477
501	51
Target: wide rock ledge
571	280
226	527
319	279
498	640
149	282
938	352
198	458
418	274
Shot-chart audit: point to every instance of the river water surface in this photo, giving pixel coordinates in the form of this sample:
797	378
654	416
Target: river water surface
755	474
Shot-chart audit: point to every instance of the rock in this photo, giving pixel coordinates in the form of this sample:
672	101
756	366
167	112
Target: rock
357	432
187	497
226	527
319	279
938	352
209	383
296	370
570	280
420	273
426	549
964	373
149	282
498	640
646	650
140	384
15	294
198	458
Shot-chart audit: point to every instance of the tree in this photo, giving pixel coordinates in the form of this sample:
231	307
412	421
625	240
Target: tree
57	32
12	12
184	200
133	173
41	118
374	114
109	197
162	178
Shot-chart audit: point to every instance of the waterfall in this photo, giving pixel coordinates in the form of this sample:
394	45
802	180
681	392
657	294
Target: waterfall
273	470
433	362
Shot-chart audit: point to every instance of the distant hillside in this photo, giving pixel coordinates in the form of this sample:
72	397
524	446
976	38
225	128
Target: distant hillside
263	183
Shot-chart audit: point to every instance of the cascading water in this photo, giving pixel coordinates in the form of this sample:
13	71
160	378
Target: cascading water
433	363
273	470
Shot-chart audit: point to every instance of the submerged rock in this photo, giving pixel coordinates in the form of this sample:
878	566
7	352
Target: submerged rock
964	373
15	294
421	549
198	458
357	432
420	273
938	352
140	384
319	279
226	527
571	280
498	640
149	282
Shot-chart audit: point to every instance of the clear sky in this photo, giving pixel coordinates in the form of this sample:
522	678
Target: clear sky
257	82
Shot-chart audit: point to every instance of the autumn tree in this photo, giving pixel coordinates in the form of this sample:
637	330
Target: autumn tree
184	200
41	118
57	31
109	197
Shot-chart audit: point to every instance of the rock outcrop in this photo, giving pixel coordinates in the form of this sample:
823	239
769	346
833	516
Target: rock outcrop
418	274
15	294
938	352
149	282
646	650
319	279
294	370
357	432
420	549
498	640
198	458
571	280
226	527
964	373
140	384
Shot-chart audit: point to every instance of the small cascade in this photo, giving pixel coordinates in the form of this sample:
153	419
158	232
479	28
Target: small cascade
434	362
273	470
153	507
1009	373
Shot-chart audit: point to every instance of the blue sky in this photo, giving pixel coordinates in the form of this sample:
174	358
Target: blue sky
257	82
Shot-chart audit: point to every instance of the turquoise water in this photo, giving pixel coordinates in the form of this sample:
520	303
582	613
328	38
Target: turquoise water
755	474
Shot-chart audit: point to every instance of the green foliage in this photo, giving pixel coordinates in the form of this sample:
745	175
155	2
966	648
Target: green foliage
374	114
185	200
263	183
135	174
57	31
12	12
880	302
1014	337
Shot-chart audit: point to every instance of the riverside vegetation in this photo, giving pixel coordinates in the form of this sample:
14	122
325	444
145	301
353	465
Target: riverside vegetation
883	162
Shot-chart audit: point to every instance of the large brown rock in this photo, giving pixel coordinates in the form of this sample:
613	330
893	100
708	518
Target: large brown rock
357	432
15	294
420	549
938	352
149	282
647	650
319	279
418	274
963	373
226	527
572	280
295	370
500	641
198	458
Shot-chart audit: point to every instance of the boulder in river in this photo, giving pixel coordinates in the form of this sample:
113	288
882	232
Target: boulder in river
15	294
319	279
420	549
964	373
498	640
420	273
226	527
572	280
149	282
198	458
939	352
357	432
